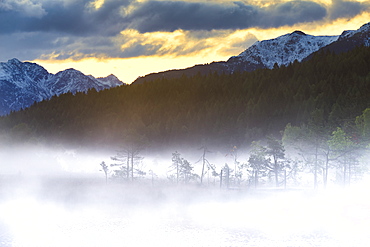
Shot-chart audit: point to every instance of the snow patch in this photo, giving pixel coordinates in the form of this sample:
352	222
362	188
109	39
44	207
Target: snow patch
285	49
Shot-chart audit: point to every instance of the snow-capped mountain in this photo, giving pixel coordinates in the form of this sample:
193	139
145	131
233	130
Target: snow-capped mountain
350	39
362	33
298	46
282	50
24	83
71	80
109	81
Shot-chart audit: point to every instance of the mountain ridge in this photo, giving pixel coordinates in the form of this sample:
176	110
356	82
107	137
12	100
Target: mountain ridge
282	50
219	110
24	83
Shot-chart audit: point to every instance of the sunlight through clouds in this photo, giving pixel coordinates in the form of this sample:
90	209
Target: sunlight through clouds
198	30
163	50
97	4
186	43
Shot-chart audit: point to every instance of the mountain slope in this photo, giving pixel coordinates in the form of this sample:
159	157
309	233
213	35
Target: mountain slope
348	40
282	50
224	110
24	83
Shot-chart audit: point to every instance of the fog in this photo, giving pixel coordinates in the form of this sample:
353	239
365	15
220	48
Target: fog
59	197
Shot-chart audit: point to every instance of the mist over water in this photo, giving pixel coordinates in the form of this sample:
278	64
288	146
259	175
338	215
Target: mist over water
80	211
56	204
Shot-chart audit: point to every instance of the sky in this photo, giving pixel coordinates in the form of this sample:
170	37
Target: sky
131	38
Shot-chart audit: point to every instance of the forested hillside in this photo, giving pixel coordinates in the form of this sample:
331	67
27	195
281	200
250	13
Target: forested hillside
216	110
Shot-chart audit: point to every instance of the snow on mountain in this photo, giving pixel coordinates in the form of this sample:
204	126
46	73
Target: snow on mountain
21	73
282	50
362	30
71	80
109	81
348	40
24	83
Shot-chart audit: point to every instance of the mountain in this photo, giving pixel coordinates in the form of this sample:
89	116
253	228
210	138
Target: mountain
282	50
24	83
214	110
350	39
110	81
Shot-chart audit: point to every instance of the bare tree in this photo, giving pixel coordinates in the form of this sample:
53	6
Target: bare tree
205	164
105	170
276	151
311	143
176	163
225	176
257	162
128	156
181	170
237	166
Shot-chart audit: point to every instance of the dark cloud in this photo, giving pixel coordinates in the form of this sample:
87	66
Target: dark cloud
33	45
347	9
80	18
73	17
153	16
169	16
29	45
290	13
63	18
75	29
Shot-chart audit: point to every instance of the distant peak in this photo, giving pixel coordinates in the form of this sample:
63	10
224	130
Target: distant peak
297	32
70	69
112	76
14	60
365	27
112	79
346	32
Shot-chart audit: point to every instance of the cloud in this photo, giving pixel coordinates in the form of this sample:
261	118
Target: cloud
237	43
290	13
36	45
347	9
110	17
130	43
72	17
27	45
77	29
180	42
154	16
24	7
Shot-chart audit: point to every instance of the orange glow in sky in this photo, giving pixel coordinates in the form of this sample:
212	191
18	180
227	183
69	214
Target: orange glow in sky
165	50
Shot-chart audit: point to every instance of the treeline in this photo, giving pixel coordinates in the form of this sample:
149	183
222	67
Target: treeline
309	155
214	110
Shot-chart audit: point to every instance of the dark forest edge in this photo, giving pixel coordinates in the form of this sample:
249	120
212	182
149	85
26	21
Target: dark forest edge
317	111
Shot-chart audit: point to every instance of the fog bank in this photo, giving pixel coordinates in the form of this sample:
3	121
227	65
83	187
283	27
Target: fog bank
84	211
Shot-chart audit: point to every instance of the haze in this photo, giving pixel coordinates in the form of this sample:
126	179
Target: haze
295	187
44	202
